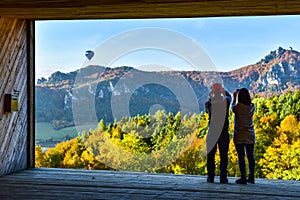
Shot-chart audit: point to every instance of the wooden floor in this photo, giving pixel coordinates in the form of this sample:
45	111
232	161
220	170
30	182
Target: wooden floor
72	184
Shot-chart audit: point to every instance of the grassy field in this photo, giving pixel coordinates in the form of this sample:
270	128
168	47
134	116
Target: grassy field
44	131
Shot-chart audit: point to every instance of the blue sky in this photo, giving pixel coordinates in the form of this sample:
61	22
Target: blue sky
229	42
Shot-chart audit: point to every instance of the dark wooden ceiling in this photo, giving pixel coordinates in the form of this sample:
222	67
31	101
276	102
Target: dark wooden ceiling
116	9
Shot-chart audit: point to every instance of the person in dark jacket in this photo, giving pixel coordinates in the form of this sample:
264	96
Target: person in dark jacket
217	108
244	135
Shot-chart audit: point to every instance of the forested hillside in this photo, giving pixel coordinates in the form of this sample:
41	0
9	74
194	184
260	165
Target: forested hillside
172	143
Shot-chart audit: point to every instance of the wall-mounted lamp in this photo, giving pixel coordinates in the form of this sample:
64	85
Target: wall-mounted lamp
11	102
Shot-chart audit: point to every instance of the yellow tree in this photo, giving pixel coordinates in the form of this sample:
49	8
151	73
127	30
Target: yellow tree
266	130
290	126
40	160
233	167
281	160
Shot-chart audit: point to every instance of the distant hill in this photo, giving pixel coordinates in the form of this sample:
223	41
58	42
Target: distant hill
277	72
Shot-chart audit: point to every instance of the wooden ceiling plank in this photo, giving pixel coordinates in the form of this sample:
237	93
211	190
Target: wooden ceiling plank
118	9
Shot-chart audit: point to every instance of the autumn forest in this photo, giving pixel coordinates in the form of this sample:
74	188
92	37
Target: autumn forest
172	143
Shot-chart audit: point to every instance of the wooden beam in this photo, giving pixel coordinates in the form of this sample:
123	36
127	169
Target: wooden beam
117	9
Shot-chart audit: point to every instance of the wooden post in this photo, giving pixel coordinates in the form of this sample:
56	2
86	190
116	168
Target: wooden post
31	93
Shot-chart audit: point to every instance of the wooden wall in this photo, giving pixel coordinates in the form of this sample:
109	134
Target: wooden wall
13	75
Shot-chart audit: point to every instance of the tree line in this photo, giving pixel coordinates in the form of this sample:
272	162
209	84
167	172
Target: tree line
170	143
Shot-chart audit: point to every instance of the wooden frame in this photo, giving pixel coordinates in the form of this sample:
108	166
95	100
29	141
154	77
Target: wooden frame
122	9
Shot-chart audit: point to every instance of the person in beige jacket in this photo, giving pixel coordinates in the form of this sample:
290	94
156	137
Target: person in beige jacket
244	134
217	138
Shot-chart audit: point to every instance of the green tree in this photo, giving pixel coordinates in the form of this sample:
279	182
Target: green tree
102	125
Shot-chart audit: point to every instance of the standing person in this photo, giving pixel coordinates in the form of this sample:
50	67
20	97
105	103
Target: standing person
244	135
217	108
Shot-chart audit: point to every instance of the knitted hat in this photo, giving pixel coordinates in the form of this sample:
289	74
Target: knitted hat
217	87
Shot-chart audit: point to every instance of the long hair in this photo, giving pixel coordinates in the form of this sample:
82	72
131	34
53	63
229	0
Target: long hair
244	96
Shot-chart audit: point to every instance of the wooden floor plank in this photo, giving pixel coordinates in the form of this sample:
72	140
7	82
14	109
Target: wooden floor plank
80	184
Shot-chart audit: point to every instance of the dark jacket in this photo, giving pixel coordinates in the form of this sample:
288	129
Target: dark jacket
243	123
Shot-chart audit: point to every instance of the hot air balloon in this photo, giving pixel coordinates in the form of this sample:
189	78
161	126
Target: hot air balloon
89	54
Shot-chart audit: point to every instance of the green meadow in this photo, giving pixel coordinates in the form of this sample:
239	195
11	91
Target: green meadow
44	133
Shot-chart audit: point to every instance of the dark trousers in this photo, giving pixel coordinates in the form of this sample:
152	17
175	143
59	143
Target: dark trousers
223	145
240	148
